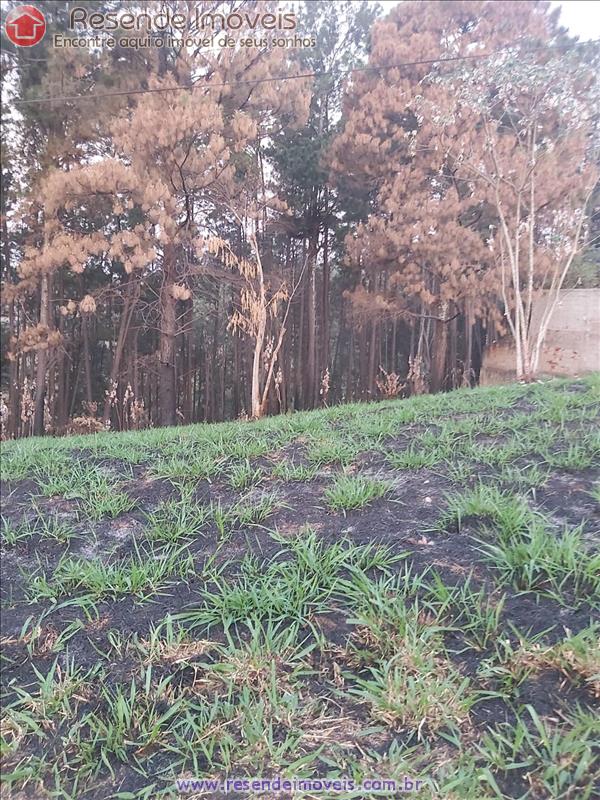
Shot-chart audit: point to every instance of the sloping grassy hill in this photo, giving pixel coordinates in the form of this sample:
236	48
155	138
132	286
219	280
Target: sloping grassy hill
404	588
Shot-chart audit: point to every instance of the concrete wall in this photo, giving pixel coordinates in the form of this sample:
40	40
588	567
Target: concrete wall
572	345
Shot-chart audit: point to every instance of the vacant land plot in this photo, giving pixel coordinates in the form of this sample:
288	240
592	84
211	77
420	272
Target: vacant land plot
401	588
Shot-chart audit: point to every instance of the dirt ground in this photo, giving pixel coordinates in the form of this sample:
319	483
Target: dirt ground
385	607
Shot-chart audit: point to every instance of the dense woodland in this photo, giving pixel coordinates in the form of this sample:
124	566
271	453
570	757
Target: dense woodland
202	234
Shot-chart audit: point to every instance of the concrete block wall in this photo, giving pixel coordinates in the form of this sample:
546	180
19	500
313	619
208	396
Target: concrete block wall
572	345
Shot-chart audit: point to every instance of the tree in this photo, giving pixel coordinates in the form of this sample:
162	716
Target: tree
301	160
188	236
259	306
45	137
529	148
417	254
424	250
145	204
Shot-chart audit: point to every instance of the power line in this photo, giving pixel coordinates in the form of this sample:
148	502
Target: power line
273	79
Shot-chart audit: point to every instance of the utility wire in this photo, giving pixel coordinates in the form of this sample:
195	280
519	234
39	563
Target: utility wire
276	78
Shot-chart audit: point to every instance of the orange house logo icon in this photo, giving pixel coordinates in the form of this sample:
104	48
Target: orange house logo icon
25	26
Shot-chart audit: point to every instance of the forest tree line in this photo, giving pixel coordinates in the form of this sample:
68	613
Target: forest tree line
193	234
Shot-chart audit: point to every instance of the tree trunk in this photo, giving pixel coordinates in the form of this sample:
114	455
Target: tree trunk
440	351
167	388
372	360
213	405
187	360
310	379
14	404
236	398
468	364
453	352
87	359
256	358
42	359
131	298
325	308
299	388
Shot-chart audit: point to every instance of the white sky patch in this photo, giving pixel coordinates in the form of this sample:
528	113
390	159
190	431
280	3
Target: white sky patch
581	17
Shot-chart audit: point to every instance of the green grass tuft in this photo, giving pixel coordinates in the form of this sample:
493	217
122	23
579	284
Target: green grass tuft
351	492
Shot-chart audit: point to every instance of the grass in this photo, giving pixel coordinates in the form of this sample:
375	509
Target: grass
350	492
291	588
140	575
174	520
576	657
12	534
539	559
243	475
424	694
289	472
556	761
332	450
245	512
414	458
524	548
405	588
99	495
508	511
473	611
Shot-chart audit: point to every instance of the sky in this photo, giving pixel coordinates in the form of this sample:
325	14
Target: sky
581	17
